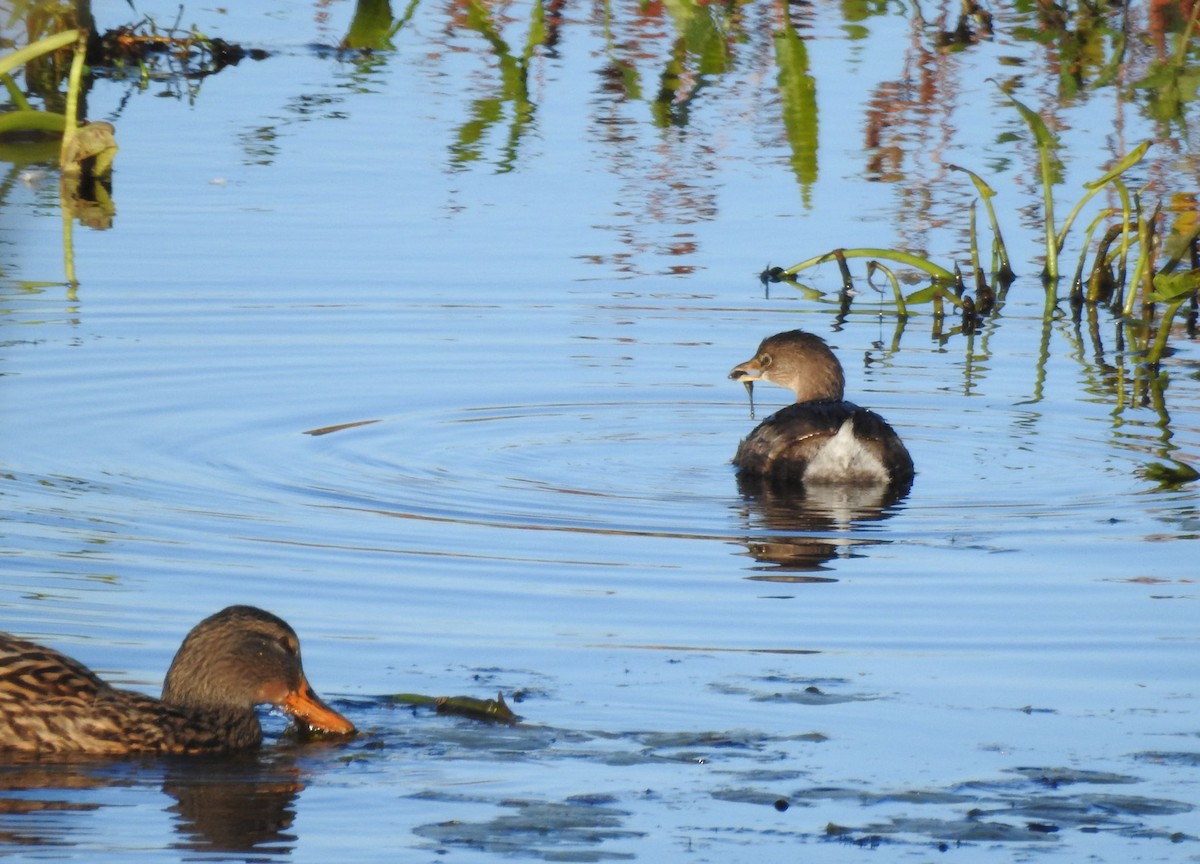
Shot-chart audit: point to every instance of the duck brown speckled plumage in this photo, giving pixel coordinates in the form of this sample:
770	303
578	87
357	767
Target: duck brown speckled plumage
229	662
821	439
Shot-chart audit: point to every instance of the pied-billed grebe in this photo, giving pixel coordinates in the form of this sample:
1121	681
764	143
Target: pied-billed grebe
229	662
821	439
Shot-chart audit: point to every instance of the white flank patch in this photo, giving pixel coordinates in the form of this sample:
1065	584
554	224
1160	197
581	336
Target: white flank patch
845	460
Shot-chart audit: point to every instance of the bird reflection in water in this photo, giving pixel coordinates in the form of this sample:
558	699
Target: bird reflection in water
794	533
243	803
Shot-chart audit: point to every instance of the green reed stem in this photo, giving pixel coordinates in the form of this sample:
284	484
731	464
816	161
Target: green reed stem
1000	263
30	52
940	274
71	112
1164	331
1142	267
901	305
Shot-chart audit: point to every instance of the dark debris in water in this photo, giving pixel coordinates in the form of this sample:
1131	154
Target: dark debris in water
798	691
987	812
1161	757
546	830
1055	777
146	47
747	770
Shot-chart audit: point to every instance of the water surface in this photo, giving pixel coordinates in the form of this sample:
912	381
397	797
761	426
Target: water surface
535	297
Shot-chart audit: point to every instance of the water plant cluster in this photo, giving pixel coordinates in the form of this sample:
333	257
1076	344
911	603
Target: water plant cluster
1144	265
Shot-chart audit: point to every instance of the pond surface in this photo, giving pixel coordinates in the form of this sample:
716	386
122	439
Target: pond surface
532	275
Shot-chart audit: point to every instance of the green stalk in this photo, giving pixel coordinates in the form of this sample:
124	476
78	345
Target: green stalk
1000	264
939	273
1112	176
1164	330
1087	241
30	52
901	305
1046	144
1126	222
71	123
71	112
14	92
31	121
1143	262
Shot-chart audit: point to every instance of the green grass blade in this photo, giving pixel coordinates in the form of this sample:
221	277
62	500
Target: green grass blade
43	46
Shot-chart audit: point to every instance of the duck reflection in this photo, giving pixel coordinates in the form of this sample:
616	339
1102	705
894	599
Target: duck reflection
239	804
243	803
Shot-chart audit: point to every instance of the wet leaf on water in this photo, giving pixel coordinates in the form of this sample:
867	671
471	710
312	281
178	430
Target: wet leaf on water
92	141
1173	286
488	710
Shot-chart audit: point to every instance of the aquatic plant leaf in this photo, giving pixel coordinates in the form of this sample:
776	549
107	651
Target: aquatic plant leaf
985	191
1132	158
31	121
930	293
91	141
489	710
1177	244
1169	287
1046	140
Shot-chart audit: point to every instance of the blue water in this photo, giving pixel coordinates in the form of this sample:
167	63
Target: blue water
540	332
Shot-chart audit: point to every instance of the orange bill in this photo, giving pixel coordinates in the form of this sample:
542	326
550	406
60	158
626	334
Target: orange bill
307	707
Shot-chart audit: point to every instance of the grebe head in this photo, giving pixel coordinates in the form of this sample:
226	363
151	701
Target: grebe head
799	361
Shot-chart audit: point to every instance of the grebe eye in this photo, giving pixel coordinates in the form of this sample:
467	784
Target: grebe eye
764	361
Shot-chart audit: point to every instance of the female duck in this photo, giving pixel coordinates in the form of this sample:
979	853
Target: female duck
821	439
230	662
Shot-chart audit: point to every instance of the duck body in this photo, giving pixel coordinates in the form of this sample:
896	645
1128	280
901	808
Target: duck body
230	662
821	439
